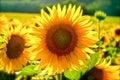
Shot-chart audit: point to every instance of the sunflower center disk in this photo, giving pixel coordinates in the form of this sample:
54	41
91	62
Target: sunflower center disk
61	39
15	46
117	32
93	74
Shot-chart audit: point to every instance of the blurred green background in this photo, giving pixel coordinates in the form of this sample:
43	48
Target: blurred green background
110	7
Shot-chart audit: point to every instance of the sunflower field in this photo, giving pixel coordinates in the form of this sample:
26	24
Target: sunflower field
61	42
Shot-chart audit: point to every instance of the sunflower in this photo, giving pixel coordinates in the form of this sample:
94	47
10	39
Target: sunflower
3	21
62	37
103	71
15	52
116	32
105	40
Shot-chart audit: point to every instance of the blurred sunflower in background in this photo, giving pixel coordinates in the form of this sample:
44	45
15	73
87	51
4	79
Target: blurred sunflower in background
105	39
3	20
62	36
116	32
14	53
103	71
118	59
15	22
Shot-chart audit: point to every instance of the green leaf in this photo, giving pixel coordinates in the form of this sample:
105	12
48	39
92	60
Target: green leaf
84	70
94	58
118	50
99	43
109	49
72	74
29	70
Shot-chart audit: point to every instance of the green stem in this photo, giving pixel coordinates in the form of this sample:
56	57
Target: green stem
99	34
58	77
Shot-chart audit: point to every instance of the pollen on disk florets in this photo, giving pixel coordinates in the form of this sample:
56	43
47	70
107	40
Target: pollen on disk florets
15	46
61	39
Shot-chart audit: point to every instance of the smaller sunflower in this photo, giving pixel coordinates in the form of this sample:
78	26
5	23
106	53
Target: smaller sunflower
15	52
104	71
116	32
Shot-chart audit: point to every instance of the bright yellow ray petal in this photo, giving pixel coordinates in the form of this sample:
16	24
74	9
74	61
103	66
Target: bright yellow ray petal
72	13
59	10
63	11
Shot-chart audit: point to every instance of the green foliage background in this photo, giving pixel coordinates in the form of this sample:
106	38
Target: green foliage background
111	7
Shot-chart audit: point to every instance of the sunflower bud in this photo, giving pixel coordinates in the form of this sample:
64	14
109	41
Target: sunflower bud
100	15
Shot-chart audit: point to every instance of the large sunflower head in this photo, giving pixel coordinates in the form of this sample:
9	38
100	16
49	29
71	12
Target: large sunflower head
14	51
103	71
62	36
